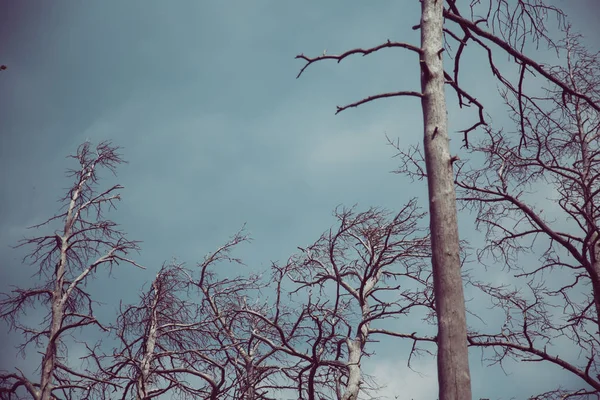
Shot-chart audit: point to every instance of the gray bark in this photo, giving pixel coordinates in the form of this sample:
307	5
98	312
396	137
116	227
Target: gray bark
143	380
59	300
355	349
452	358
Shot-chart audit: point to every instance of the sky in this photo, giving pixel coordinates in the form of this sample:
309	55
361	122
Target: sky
218	132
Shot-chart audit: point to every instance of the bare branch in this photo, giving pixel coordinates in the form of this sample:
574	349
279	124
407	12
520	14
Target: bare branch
364	52
65	261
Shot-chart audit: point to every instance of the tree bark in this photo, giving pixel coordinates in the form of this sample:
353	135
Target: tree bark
143	380
452	358
355	349
58	300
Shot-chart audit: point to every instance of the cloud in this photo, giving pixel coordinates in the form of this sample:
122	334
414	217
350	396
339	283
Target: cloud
345	150
401	382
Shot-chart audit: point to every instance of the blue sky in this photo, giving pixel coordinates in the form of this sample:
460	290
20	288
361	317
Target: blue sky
203	98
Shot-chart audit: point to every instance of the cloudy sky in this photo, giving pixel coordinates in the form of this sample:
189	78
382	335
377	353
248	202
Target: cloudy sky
218	132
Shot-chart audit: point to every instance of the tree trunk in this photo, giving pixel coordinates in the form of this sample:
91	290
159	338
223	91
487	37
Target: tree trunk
58	305
49	360
355	349
144	377
452	358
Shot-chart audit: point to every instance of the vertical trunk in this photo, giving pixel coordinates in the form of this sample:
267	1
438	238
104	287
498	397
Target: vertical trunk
310	390
249	390
146	363
150	343
58	304
49	360
452	358
355	349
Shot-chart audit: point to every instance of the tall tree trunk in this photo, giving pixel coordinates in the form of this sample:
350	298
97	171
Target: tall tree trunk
49	360
143	381
452	359
59	299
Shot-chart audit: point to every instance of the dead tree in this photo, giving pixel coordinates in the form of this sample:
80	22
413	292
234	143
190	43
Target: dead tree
371	262
65	259
371	268
165	345
280	345
536	194
539	193
253	369
497	27
188	338
185	339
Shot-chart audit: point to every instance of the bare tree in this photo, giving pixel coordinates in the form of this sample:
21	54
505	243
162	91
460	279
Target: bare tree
554	153
185	339
227	343
370	269
190	336
252	365
164	345
297	333
373	263
65	260
536	194
496	26
452	356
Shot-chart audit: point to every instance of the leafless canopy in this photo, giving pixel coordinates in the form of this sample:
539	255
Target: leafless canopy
65	259
371	268
538	195
554	144
300	332
536	200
